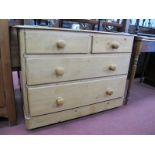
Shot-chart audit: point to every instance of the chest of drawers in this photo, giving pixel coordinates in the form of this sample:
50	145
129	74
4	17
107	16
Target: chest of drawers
67	74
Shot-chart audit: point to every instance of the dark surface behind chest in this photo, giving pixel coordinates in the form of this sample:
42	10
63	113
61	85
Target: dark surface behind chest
149	77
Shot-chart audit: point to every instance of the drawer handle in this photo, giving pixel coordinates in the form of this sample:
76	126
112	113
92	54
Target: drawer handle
59	71
109	92
59	101
115	45
61	44
112	67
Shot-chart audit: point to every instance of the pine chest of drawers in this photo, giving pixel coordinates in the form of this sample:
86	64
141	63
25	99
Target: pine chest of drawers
67	74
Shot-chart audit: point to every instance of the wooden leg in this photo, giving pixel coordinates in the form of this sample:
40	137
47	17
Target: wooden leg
145	63
60	22
93	27
18	73
99	23
132	72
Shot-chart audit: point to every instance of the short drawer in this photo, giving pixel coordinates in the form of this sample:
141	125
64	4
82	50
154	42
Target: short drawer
48	69
112	43
45	41
57	97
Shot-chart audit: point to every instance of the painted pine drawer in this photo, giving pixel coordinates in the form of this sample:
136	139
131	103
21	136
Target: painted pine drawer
57	97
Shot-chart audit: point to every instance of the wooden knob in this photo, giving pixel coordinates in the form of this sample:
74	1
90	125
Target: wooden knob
112	67
109	91
60	44
59	71
59	101
115	45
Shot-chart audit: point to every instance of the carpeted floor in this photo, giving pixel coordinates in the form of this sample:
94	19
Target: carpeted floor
138	117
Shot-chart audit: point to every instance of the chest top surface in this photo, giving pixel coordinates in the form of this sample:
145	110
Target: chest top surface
30	27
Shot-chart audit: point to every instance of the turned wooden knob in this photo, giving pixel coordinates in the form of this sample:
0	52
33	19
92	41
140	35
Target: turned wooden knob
112	67
60	44
109	91
59	101
115	45
59	71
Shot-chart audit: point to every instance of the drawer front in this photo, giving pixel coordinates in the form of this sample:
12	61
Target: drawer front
57	97
61	116
112	43
44	41
47	69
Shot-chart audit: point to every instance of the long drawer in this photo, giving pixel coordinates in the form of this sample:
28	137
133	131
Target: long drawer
111	43
45	41
47	69
64	115
57	97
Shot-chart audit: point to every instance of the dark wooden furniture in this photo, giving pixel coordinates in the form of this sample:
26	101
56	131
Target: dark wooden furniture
14	48
116	26
149	76
7	101
141	27
91	22
141	44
